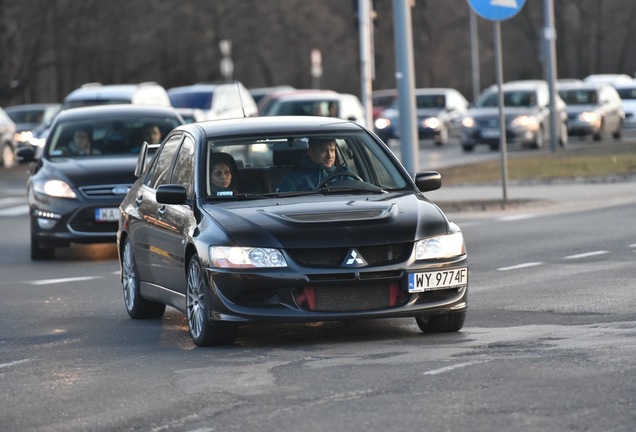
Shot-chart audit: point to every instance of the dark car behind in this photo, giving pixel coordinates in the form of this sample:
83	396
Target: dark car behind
74	199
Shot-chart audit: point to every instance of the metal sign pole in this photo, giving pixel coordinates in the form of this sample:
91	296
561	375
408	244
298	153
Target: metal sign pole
503	146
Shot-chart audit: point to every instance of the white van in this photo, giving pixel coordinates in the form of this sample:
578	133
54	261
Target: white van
146	93
216	100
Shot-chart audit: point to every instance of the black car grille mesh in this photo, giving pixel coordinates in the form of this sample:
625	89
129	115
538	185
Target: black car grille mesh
337	216
337	299
333	257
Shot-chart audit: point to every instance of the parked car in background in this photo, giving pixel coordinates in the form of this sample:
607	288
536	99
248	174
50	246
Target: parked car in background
270	98
28	118
594	109
191	115
383	99
329	104
259	93
527	117
438	110
146	93
216	100
7	143
361	243
627	91
74	194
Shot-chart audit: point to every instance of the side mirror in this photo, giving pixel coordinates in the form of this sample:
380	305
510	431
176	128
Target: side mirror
25	154
141	160
428	181
171	194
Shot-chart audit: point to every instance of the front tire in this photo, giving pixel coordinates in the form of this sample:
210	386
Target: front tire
8	157
444	323
38	252
203	331
137	306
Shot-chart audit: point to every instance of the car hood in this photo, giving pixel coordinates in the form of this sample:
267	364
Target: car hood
577	109
92	171
329	221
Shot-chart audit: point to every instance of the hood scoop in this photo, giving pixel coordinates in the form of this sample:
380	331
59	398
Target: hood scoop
341	215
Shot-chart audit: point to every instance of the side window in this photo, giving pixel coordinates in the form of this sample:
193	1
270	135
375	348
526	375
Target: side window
164	161
184	167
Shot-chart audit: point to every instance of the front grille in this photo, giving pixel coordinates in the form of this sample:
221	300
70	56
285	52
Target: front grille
333	257
105	191
350	298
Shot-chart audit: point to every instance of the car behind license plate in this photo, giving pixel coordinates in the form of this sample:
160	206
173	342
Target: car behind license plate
110	214
490	133
435	280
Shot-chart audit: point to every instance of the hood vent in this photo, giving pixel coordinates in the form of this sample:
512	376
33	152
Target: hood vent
340	216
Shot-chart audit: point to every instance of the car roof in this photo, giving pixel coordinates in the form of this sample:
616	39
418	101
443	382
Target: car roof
312	96
85	113
432	90
270	125
204	87
593	85
111	91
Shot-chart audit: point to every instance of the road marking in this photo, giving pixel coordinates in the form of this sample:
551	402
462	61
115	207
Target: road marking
15	211
453	367
585	255
63	280
11	200
520	266
17	362
517	217
632	245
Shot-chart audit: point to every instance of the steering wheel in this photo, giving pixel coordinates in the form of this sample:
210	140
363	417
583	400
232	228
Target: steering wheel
332	176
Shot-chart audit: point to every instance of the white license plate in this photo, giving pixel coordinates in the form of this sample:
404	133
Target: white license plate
110	214
435	280
490	133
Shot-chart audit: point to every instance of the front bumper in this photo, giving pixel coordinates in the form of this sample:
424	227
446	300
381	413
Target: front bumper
305	295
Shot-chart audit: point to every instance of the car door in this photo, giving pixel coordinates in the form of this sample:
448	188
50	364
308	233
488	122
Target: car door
150	250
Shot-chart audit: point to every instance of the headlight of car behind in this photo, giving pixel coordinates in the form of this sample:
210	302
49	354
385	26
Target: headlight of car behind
468	122
590	117
246	257
445	246
525	121
382	123
431	123
54	188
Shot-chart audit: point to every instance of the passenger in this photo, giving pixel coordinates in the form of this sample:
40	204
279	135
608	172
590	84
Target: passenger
81	143
152	134
223	173
315	166
225	177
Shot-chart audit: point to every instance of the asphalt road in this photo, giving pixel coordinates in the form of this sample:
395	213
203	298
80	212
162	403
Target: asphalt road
548	344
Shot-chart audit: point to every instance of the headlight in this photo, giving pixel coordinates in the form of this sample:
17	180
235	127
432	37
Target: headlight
445	246
382	123
54	188
246	257
525	121
589	117
431	123
468	122
23	137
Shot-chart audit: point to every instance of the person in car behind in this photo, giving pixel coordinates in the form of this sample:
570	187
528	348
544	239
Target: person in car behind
81	143
315	166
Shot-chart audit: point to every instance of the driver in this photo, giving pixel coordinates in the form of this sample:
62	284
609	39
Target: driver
315	166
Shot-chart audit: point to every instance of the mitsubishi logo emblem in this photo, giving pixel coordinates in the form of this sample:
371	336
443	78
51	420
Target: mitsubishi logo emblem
354	259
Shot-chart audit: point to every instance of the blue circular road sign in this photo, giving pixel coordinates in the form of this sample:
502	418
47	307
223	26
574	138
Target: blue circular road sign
496	10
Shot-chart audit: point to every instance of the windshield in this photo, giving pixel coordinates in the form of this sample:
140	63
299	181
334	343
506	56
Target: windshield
107	136
430	101
301	163
511	99
201	100
579	97
627	93
302	107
